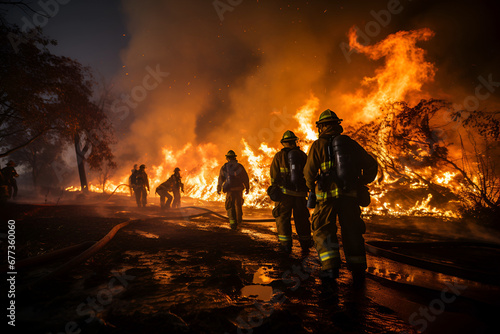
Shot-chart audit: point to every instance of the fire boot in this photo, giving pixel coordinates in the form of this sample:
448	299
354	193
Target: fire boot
285	244
328	277
305	244
358	277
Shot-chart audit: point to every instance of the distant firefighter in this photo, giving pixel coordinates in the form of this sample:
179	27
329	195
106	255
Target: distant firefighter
174	185
131	179
344	170
141	185
177	187
9	175
288	178
233	179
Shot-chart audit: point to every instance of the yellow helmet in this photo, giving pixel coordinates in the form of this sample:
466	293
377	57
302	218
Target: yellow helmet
289	136
231	154
328	116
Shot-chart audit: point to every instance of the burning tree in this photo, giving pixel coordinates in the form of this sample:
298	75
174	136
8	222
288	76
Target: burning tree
415	148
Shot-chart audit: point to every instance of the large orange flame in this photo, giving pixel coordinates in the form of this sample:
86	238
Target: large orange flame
404	72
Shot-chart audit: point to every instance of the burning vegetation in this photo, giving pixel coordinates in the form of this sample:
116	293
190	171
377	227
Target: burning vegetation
434	159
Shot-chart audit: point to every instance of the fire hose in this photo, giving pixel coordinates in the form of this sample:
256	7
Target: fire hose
90	248
73	262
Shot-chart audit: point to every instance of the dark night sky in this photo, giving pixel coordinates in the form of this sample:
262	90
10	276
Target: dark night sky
264	55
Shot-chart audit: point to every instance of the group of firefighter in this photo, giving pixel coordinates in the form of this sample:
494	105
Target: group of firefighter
331	179
139	185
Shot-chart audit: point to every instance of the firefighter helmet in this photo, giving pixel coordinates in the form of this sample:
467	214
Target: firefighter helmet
231	154
289	136
143	167
328	116
177	169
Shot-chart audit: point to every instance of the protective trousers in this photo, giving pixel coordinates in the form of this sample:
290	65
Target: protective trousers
234	207
352	230
141	196
283	211
164	195
177	199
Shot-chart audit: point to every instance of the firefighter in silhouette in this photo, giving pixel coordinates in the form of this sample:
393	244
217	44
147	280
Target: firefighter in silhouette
233	179
174	185
342	168
287	174
162	190
141	187
9	174
131	179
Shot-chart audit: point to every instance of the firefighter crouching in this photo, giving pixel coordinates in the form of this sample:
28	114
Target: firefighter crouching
163	190
287	173
174	185
344	170
233	178
140	185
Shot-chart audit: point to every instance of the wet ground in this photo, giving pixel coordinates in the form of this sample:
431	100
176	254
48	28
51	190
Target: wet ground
168	273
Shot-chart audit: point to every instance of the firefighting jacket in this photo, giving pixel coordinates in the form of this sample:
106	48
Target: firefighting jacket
237	181
141	179
175	183
320	161
280	172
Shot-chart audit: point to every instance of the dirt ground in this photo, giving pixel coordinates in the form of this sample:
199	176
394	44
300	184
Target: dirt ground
168	273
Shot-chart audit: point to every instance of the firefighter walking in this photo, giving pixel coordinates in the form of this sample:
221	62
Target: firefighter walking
341	168
287	173
233	179
141	186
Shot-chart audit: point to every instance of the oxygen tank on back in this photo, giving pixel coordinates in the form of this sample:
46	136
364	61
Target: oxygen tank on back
346	167
295	163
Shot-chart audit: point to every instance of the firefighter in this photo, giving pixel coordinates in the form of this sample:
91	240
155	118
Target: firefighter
341	168
233	179
163	190
141	184
9	174
131	179
287	173
177	187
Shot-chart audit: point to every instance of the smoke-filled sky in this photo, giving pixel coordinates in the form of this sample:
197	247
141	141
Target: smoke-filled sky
213	72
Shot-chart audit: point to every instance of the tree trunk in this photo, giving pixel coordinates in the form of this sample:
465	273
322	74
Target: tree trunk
80	159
